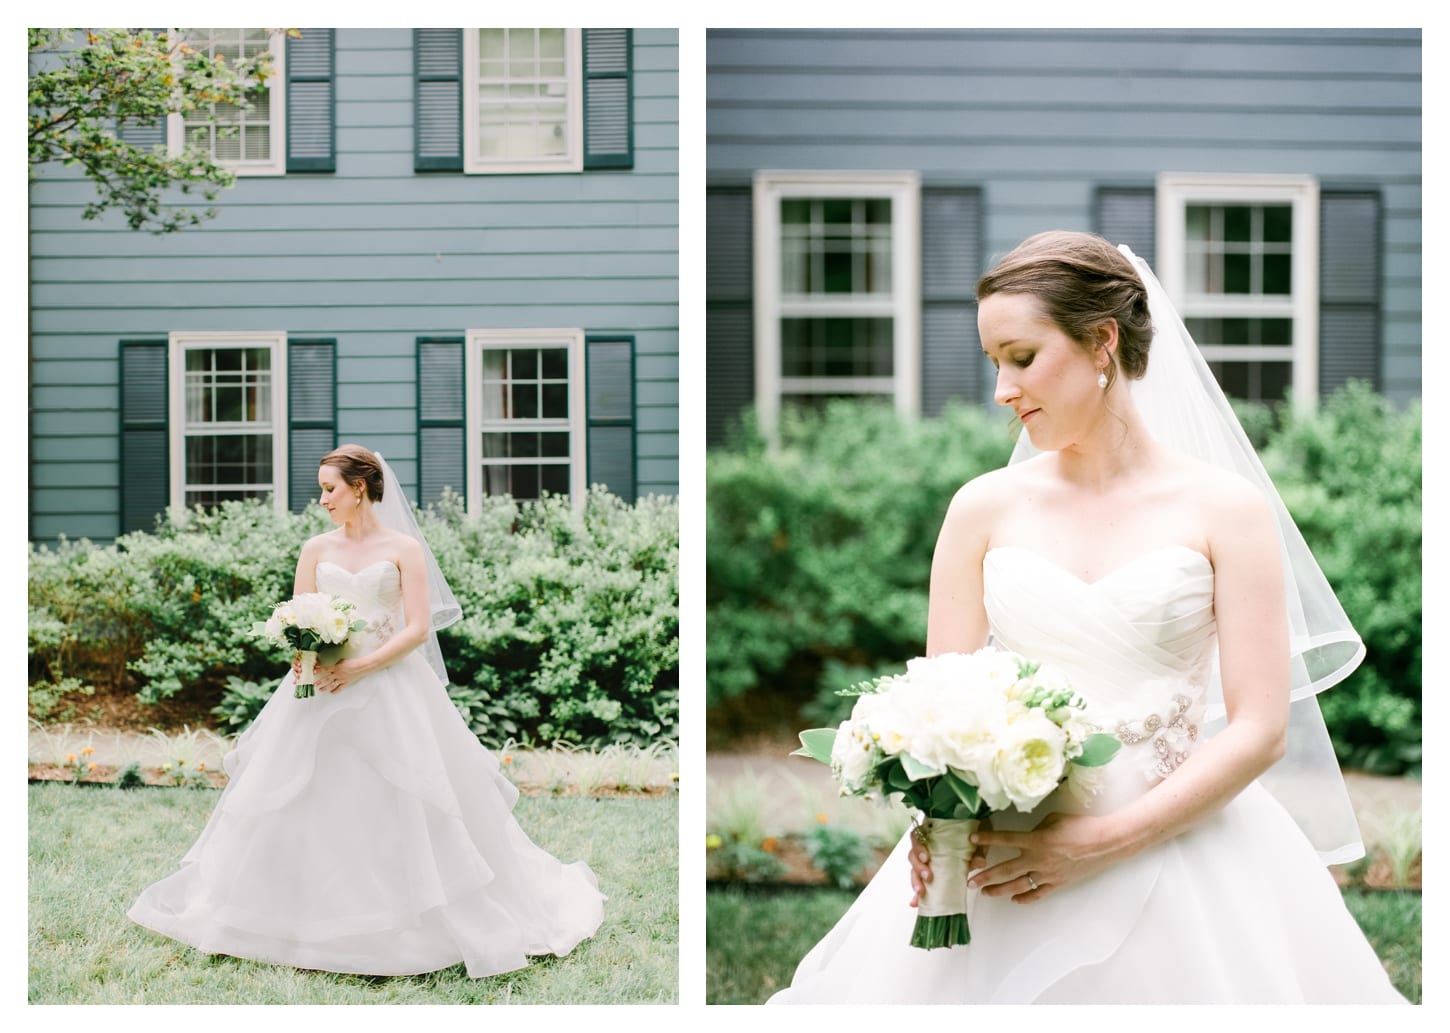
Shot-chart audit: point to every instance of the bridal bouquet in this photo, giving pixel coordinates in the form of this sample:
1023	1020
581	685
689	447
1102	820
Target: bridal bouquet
307	622
960	736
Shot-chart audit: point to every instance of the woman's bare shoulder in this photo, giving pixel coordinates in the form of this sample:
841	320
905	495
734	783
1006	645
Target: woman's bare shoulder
988	493
319	543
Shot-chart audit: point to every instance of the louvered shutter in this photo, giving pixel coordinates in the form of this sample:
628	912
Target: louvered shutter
729	311
145	440
438	100
1125	215
311	414
610	414
441	430
311	102
1349	288
608	99
951	262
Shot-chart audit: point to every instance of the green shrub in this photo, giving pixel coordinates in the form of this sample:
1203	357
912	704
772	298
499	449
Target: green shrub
838	852
1350	474
821	549
570	626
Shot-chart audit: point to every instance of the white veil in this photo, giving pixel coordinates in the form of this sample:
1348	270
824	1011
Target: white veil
395	512
1185	409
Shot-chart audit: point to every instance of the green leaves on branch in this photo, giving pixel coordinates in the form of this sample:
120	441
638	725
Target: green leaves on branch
87	85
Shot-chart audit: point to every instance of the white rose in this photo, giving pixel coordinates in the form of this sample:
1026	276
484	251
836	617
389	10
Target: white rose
1029	761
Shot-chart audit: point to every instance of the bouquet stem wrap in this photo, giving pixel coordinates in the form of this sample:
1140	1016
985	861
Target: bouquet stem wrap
304	687
941	912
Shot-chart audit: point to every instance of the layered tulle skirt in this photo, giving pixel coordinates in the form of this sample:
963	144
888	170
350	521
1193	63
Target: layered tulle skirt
367	831
1239	910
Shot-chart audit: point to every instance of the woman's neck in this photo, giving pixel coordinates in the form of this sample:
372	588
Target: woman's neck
362	526
1116	448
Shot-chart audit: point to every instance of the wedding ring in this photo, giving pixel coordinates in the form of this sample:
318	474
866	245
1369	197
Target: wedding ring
1031	881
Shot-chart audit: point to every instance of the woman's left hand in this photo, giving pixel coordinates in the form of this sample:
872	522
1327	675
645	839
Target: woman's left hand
1063	849
334	677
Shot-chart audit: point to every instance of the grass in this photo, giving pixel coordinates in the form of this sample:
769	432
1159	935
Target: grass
92	851
754	938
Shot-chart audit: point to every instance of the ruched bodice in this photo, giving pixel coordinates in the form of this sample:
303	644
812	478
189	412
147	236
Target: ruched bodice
377	592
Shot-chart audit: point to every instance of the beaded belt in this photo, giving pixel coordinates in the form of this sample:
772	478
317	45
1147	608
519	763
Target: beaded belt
1172	736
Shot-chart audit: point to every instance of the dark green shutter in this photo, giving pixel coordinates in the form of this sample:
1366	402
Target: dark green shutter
441	428
609	390
951	260
608	99
1350	280
311	414
1127	215
311	103
729	311
145	437
438	100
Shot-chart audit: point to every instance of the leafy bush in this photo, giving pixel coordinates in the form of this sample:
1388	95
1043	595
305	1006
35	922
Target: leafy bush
838	852
818	553
570	627
821	548
1350	475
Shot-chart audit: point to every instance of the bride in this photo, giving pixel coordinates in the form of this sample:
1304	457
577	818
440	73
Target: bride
365	829
1138	545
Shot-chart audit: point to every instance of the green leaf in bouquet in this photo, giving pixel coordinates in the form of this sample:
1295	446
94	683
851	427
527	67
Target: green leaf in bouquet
894	777
328	655
816	743
964	791
943	800
915	769
1098	750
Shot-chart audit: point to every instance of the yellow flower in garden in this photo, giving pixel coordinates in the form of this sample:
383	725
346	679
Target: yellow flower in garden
201	767
713	842
508	759
90	767
87	751
70	758
769	843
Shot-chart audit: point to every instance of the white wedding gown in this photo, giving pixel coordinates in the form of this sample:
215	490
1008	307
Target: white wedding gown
368	831
1239	909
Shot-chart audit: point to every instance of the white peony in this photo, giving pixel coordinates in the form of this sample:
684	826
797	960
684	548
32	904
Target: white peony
1028	764
853	756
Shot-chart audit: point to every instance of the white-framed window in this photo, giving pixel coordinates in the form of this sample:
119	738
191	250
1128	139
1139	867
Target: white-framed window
523	107
228	417
253	140
837	289
1239	256
525	421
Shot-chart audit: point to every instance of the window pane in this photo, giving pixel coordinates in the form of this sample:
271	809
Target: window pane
1278	223
525	401
836	246
554	479
524	363
555	363
1236	274
1196	217
229	459
821	347
555	401
1237	223
1254	381
1278	274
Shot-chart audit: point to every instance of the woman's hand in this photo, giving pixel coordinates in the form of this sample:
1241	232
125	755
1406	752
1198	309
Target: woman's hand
335	677
920	859
1063	849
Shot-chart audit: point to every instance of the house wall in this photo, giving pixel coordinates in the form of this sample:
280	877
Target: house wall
373	255
1040	119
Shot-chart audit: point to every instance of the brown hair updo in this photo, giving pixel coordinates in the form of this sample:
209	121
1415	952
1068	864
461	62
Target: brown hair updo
1082	281
356	463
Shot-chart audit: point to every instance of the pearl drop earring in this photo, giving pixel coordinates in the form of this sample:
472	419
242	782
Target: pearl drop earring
1103	379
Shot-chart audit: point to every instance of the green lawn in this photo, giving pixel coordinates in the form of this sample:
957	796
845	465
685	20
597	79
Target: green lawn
93	850
754	938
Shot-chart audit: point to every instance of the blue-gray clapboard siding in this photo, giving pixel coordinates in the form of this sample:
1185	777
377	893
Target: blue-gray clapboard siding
1041	120
374	256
